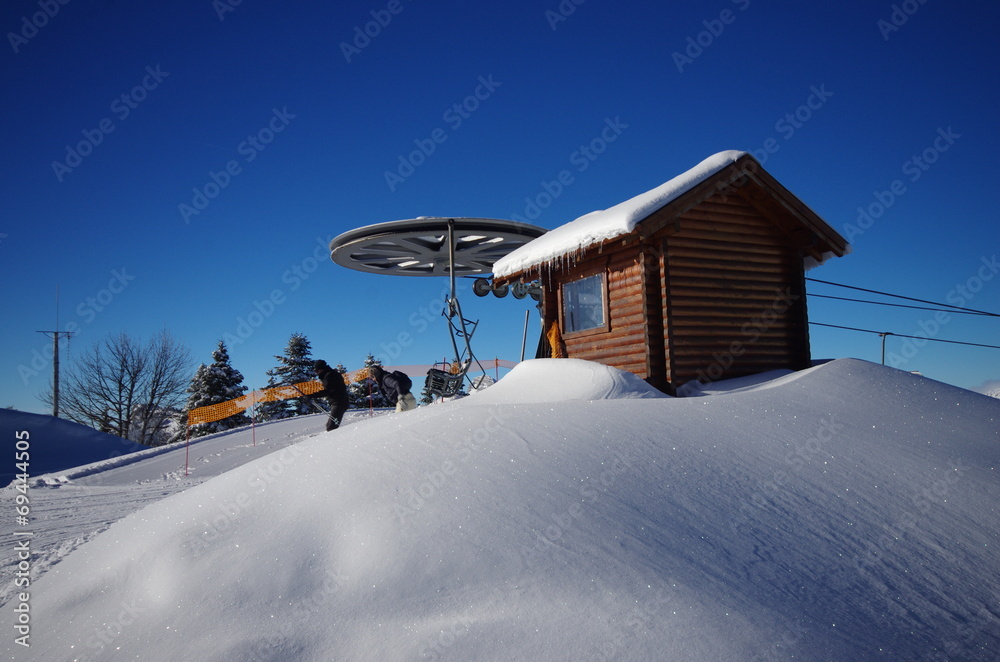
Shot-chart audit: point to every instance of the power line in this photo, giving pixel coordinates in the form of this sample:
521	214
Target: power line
903	335
899	296
903	305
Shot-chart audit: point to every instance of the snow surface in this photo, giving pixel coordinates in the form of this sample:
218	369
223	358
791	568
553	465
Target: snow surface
845	512
97	494
563	380
572	238
57	443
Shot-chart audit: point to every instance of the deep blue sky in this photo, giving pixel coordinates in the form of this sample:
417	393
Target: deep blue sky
111	236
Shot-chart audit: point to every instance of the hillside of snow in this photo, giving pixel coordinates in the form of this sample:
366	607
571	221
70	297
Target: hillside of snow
56	443
845	512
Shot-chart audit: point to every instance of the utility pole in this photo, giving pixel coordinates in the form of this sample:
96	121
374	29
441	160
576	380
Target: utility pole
55	367
55	358
883	335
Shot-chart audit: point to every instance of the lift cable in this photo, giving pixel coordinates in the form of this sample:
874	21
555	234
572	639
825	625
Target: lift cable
902	335
903	305
898	296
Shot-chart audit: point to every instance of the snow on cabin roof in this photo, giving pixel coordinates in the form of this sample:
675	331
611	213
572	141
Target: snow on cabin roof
609	223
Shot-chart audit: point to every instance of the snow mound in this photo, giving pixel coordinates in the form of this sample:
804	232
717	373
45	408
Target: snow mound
57	444
768	379
564	380
848	514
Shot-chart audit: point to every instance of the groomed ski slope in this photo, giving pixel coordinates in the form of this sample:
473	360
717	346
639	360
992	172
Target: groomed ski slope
93	496
845	512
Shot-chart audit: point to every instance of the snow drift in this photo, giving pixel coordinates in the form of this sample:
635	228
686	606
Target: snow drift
563	380
58	444
846	513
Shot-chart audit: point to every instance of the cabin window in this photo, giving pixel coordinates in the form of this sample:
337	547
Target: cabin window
584	304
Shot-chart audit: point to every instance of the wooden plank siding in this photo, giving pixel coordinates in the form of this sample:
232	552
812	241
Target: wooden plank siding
732	294
710	285
623	344
719	294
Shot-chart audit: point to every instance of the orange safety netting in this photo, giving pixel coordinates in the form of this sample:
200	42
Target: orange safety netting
239	405
229	408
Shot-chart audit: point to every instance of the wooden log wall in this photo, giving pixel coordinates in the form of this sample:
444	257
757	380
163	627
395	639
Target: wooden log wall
719	294
623	345
734	297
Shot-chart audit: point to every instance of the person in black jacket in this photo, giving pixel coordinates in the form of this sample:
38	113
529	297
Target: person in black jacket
334	390
395	386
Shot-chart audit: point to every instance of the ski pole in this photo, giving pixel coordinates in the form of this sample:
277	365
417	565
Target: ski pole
310	400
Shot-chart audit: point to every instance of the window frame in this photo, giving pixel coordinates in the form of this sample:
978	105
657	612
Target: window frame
602	328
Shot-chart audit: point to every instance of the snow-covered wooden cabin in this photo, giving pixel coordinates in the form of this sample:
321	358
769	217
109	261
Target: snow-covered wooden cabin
700	278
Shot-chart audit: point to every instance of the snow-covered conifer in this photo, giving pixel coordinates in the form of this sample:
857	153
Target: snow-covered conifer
294	366
213	384
365	393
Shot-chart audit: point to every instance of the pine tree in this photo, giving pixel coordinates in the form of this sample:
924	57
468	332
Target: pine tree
365	393
213	384
294	366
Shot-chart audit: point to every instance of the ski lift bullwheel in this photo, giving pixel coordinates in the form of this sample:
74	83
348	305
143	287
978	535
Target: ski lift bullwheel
437	246
420	246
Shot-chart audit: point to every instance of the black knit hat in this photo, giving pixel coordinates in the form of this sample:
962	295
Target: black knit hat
320	365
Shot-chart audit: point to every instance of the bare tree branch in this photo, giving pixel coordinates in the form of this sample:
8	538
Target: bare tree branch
127	389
